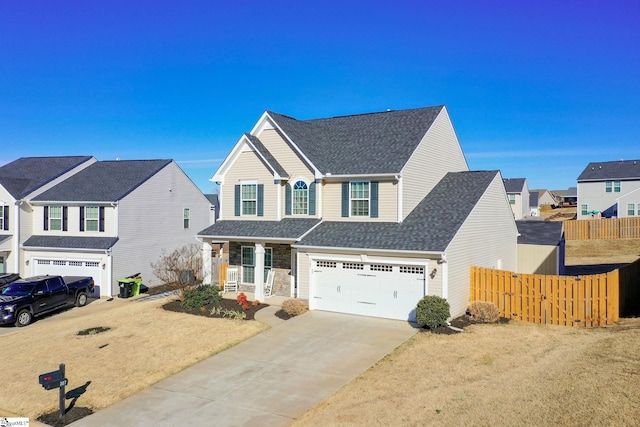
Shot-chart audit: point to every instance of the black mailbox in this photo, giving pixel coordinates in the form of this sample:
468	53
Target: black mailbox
52	380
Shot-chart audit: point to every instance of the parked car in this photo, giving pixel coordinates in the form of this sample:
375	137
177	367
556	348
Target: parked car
25	299
7	278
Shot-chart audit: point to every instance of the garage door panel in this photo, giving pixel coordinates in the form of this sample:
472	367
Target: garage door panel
369	289
65	267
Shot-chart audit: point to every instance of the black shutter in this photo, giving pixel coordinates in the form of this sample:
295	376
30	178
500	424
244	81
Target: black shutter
101	218
5	220
373	213
237	200
81	218
312	198
345	199
46	218
260	199
64	218
287	199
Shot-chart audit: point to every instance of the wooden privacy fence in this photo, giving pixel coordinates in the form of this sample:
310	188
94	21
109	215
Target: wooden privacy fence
605	228
558	300
222	274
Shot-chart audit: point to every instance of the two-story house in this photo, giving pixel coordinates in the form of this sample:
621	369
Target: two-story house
518	195
110	220
609	189
362	214
20	181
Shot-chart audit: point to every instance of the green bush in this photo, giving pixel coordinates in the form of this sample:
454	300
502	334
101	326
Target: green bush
432	311
200	296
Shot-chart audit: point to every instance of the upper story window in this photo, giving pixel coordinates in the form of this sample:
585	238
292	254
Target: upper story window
55	218
91	218
512	199
300	198
612	186
185	218
249	199
631	209
4	217
359	198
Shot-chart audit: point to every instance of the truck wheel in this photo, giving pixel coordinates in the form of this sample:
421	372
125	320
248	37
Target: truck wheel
81	299
24	317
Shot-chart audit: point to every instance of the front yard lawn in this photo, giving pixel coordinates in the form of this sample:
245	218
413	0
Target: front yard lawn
144	344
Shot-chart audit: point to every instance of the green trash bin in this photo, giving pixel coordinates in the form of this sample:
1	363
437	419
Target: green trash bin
130	287
135	289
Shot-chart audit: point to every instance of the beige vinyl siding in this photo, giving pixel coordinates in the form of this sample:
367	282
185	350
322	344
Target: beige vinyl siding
489	234
248	167
537	259
387	203
150	223
438	153
284	154
303	275
73	222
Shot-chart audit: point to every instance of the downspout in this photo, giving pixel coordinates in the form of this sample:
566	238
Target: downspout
445	275
109	272
16	237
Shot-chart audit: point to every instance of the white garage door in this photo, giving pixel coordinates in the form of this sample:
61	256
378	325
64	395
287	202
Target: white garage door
389	290
61	267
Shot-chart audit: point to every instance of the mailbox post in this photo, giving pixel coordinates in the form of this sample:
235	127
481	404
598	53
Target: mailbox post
55	379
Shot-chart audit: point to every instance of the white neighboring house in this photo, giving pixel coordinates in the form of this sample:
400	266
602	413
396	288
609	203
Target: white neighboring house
20	181
609	189
362	214
111	220
518	195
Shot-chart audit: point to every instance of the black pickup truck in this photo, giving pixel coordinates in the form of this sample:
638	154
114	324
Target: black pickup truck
6	278
25	299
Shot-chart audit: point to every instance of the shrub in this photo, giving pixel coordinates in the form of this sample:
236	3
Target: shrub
181	269
483	311
432	311
200	296
293	307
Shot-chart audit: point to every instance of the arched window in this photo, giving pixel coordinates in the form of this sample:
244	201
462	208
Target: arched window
300	199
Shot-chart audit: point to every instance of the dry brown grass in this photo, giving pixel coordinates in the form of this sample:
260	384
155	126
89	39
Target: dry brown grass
295	307
497	375
587	252
145	344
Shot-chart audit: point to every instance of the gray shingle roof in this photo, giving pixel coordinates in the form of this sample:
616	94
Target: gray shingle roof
430	227
267	155
533	199
513	185
70	242
622	169
539	232
360	144
106	181
26	174
288	229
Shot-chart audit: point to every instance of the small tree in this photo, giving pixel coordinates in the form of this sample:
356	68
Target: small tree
181	269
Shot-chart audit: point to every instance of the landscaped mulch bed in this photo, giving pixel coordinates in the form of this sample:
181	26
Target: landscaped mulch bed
74	413
459	323
229	304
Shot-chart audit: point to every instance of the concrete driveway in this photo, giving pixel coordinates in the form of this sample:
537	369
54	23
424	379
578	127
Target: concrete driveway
268	380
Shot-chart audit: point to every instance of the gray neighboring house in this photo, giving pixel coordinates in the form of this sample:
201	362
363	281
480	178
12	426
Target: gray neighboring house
541	247
215	207
111	220
20	181
361	214
518	195
609	189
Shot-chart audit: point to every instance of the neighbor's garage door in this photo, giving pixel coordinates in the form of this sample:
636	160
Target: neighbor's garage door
389	290
58	267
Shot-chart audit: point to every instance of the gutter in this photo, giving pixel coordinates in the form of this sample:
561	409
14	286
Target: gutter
441	255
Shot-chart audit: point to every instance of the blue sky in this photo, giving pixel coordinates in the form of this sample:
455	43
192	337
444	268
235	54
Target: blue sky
535	89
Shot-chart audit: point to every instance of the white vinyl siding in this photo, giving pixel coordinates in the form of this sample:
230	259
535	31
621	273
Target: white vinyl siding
140	243
488	234
438	153
387	203
594	195
248	167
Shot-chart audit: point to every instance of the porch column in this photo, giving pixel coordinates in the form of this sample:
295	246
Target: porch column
259	272
206	263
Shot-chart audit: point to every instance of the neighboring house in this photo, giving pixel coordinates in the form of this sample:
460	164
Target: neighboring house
361	214
20	181
534	207
518	195
541	247
110	220
545	197
215	207
609	189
